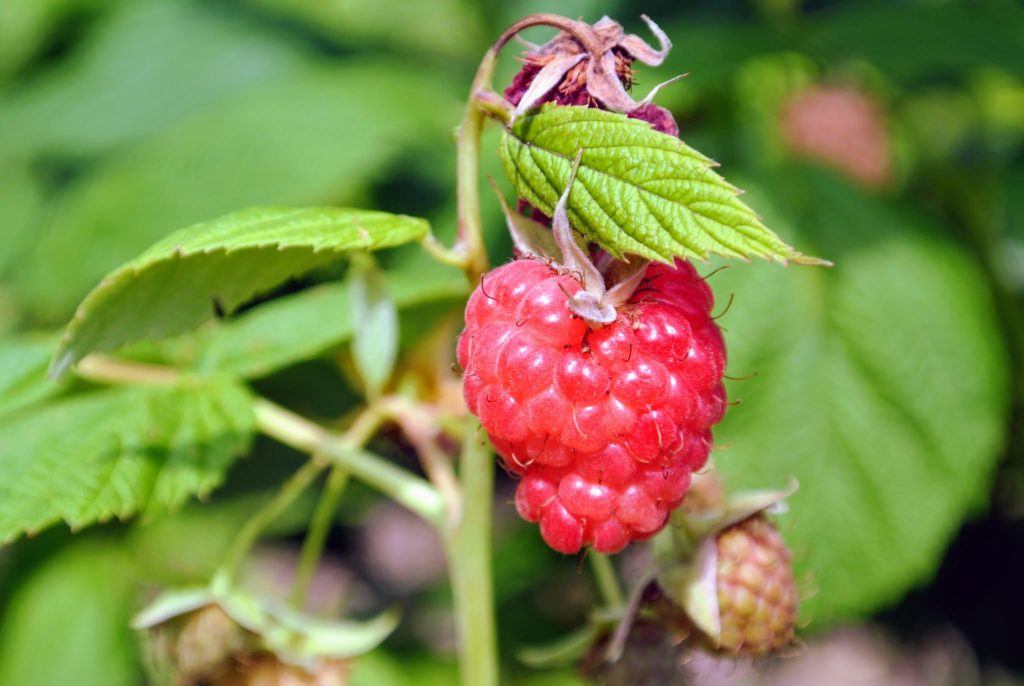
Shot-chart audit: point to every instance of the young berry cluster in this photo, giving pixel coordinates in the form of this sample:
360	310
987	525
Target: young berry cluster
757	598
604	425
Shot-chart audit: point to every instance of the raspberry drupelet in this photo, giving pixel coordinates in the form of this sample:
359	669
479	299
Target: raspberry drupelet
604	425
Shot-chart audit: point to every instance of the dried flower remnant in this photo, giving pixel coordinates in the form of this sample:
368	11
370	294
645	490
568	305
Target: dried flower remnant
591	66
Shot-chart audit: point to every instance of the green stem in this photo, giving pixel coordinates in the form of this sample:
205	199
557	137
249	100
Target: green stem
250	532
401	486
358	433
469	241
607	580
468	544
316	538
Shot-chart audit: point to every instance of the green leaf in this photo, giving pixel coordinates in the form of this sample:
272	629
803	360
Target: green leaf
294	636
319	137
170	287
306	638
171	604
118	451
25	26
399	24
985	35
881	387
21	201
637	190
139	68
67	623
300	326
23	364
374	319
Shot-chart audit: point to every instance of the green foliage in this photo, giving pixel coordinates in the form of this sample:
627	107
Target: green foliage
145	66
21	199
637	190
882	382
298	327
114	452
446	27
278	144
881	387
23	363
67	622
293	635
172	286
374	319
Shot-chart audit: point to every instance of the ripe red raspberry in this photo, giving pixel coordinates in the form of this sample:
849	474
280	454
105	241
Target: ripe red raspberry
757	599
605	425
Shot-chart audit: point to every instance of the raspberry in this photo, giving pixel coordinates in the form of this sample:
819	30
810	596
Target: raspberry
606	425
757	599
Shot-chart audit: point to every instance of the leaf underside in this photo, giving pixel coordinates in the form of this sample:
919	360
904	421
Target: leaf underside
637	190
176	285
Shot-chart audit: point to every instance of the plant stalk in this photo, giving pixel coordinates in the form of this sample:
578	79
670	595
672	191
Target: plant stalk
316	537
250	532
468	545
607	580
398	484
469	239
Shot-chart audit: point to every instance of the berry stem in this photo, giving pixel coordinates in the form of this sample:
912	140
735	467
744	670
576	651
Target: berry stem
468	545
359	432
316	537
469	242
250	532
607	580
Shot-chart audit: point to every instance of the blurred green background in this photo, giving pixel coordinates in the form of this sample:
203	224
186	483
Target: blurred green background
885	136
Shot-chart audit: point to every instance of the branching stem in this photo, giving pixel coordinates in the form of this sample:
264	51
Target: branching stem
400	485
316	537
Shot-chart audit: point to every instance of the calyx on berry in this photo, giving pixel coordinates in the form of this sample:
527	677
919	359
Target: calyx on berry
596	302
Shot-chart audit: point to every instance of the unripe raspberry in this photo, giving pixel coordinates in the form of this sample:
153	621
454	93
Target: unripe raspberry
604	425
757	598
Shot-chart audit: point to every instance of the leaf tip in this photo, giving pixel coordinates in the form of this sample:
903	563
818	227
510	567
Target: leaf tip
62	362
810	261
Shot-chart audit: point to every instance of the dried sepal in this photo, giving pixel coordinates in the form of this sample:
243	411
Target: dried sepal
587	63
